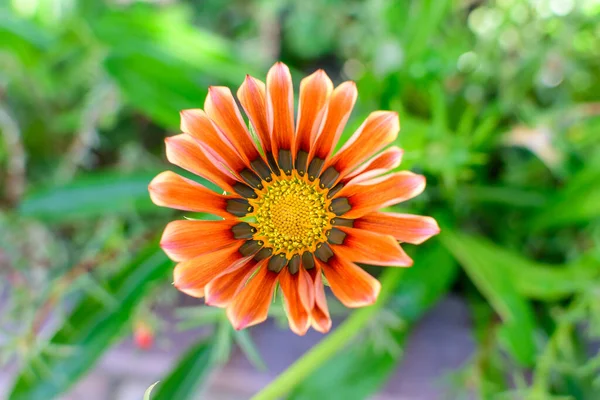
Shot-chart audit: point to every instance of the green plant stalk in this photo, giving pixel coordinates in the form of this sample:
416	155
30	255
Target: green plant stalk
332	344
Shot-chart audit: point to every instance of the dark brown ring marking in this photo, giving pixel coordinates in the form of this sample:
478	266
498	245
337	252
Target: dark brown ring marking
336	236
323	252
250	247
343	222
328	178
333	191
262	169
340	206
294	264
263	253
243	230
251	178
238	207
307	260
244	190
277	262
285	161
314	169
273	164
301	159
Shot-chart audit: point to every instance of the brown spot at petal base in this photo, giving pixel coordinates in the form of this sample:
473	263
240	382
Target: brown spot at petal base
307	260
276	263
340	206
294	264
324	252
238	207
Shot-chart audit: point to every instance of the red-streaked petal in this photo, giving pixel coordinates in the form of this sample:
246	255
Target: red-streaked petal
221	290
381	192
379	129
223	111
185	152
253	97
371	248
185	239
251	305
320	319
280	107
315	90
196	123
295	308
414	229
168	189
197	272
378	165
339	110
352	285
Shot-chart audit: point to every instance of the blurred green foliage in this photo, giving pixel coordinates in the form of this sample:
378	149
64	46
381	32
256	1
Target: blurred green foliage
499	104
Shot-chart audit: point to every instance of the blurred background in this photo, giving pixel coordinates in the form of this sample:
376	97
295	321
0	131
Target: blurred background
499	104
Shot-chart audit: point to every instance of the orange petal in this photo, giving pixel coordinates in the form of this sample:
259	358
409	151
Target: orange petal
168	189
379	129
365	197
185	152
339	110
378	165
372	248
295	307
222	289
280	107
320	319
251	305
222	109
183	240
352	285
408	228
315	90
194	292
196	123
197	272
253	98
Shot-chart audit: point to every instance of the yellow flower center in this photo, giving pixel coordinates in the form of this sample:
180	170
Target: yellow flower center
291	214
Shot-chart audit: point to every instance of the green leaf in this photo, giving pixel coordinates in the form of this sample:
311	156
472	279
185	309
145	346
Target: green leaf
576	203
156	83
167	63
90	329
189	373
91	196
360	371
22	38
496	282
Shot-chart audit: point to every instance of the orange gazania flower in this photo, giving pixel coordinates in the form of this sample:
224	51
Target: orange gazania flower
292	211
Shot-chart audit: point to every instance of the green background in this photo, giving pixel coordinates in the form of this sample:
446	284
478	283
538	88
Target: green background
498	102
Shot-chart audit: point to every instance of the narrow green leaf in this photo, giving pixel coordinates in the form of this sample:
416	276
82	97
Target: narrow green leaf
90	329
576	203
188	374
91	196
361	370
496	282
243	339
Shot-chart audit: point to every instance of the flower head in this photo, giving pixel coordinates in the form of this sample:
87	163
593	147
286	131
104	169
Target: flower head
292	210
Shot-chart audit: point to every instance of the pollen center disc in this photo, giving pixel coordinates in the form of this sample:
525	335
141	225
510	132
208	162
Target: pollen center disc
291	215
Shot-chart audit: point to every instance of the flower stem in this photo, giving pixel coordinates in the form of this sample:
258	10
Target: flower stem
331	344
